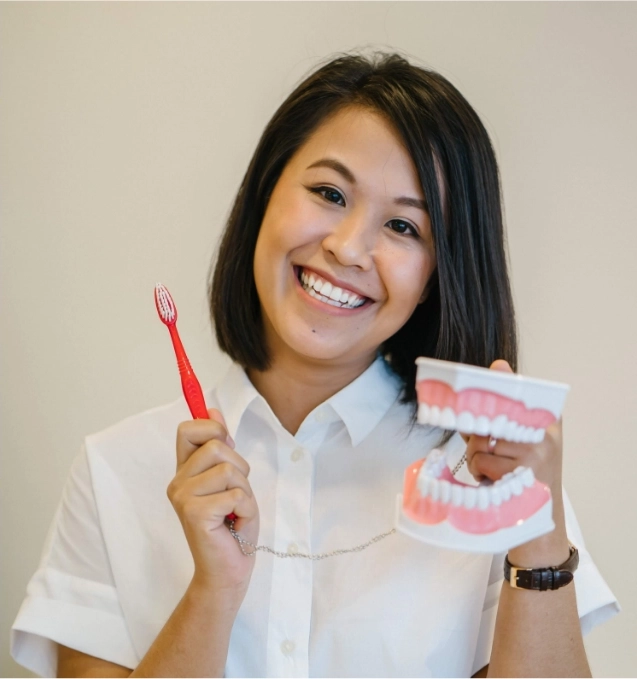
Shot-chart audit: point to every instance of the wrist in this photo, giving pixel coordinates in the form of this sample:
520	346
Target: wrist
213	599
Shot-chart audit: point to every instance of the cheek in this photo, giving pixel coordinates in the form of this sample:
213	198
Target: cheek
406	279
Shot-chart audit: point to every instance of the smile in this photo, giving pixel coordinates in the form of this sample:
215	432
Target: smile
326	292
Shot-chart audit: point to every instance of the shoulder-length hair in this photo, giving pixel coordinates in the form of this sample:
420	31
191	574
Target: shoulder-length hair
468	315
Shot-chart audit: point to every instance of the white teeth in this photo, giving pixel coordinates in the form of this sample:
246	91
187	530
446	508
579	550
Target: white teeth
505	491
326	289
311	280
509	430
516	486
423	413
538	437
495	495
457	496
466	421
434	490
434	416
445	491
483	497
470	497
423	484
345	297
448	419
482	425
336	294
435	462
498	426
527	477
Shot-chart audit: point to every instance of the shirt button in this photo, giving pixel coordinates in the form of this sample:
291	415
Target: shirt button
293	548
287	647
297	454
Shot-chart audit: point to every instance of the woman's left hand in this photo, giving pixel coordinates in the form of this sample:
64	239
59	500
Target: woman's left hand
544	458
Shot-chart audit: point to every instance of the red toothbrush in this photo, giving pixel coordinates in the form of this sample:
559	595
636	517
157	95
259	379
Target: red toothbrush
189	383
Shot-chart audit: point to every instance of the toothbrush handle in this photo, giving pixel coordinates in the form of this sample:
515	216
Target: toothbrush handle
190	386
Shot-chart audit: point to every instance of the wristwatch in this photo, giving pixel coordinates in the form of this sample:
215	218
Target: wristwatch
542	578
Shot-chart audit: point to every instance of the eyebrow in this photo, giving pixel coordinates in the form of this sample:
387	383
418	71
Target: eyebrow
345	172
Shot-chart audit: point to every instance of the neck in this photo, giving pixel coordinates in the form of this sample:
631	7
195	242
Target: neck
294	386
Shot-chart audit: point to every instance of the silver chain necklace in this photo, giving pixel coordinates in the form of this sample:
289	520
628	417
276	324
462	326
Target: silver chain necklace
253	549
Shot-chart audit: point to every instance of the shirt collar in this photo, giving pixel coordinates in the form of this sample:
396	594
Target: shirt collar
360	405
363	403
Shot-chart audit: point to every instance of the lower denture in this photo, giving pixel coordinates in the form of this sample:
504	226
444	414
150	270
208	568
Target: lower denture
426	510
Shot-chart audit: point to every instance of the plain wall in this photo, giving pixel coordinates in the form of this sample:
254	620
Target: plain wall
125	130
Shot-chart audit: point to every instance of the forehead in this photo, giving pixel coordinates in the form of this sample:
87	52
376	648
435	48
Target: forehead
365	142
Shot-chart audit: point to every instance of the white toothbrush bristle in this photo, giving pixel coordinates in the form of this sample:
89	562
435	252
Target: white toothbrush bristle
165	305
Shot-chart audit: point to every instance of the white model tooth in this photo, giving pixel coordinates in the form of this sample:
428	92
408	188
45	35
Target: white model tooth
527	477
496	495
505	490
457	496
448	419
498	426
466	422
423	413
445	491
482	425
507	476
335	294
518	470
483	498
525	434
516	485
538	437
434	489
434	416
509	430
435	462
470	497
423	484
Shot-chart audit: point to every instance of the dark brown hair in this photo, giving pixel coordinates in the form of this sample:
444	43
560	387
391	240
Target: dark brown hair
468	315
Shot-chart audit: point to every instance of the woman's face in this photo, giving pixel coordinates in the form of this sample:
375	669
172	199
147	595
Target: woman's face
345	251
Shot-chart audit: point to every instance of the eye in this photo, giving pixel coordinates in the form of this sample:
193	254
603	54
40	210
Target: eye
400	226
331	195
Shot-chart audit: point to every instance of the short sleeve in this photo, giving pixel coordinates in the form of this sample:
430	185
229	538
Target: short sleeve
71	599
595	601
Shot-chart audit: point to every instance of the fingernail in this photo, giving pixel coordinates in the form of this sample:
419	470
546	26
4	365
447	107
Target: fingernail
230	441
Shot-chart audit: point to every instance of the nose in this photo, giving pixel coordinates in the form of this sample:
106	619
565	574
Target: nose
350	241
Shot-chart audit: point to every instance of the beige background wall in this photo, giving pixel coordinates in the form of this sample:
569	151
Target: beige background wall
124	132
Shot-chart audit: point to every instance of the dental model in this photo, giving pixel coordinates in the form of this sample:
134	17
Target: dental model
489	517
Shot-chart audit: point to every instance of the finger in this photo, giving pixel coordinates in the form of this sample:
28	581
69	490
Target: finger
493	467
218	417
501	366
233	501
222	477
193	434
210	454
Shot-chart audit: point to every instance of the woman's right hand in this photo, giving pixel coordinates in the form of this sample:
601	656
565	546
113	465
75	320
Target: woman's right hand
210	483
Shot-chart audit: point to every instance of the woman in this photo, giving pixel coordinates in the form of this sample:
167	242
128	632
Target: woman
367	231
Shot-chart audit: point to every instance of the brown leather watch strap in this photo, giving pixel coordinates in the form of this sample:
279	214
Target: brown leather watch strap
542	579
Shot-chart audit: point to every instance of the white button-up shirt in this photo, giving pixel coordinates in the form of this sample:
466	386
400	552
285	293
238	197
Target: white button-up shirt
116	562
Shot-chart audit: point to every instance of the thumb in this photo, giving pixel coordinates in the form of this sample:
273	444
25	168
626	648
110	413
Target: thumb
501	366
218	417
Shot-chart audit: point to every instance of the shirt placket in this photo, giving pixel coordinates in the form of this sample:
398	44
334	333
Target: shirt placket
291	602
